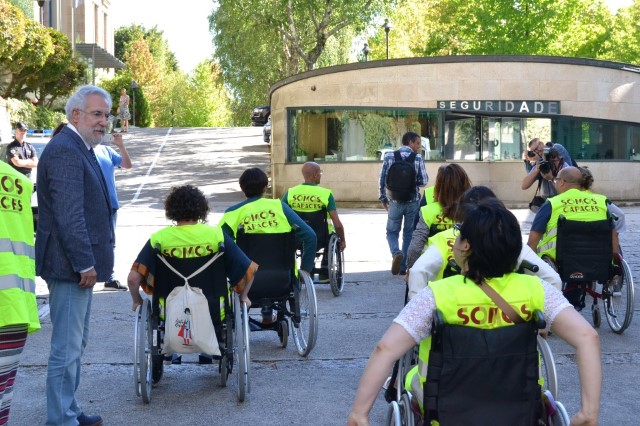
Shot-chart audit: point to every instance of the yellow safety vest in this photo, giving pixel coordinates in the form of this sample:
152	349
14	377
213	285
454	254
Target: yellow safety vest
187	241
262	216
17	253
433	216
309	198
574	205
443	241
428	194
462	302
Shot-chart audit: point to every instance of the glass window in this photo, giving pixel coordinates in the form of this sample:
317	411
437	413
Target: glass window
358	134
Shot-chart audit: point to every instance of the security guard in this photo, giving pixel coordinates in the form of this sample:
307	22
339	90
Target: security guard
17	276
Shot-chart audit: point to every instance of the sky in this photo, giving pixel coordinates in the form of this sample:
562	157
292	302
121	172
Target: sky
186	26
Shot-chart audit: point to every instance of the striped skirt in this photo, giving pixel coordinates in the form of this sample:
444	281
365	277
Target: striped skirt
12	340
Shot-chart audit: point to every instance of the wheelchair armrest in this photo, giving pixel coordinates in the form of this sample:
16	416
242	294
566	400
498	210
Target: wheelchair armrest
538	319
526	265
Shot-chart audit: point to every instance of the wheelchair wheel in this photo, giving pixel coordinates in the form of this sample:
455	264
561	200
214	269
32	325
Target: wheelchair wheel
283	332
618	304
394	417
157	368
142	363
306	331
408	418
595	315
560	417
226	361
336	266
240	347
547	367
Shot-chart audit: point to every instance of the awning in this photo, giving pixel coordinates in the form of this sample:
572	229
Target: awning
101	58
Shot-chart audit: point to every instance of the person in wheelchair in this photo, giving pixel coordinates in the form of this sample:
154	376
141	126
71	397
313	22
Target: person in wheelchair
435	217
311	197
258	215
486	247
433	264
189	237
574	203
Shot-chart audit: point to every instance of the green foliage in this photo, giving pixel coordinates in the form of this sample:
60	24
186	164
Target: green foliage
124	37
26	6
378	131
12	33
35	117
258	44
142	111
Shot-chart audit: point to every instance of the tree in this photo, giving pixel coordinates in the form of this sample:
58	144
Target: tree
624	43
158	46
277	41
12	34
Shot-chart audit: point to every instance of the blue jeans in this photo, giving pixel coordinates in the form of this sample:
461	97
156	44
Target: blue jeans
399	211
70	310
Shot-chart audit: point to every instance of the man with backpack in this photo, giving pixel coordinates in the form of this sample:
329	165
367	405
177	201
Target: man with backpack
403	174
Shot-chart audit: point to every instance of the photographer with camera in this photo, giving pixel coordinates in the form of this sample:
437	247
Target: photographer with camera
545	167
533	154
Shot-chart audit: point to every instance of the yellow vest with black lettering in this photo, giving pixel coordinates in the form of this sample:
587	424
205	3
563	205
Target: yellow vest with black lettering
574	205
464	303
433	216
309	198
443	241
187	241
428	194
262	216
17	253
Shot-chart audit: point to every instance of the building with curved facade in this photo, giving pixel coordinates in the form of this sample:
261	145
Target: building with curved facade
479	111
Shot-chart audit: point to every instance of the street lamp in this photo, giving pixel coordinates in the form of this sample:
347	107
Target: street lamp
366	51
134	86
387	27
41	5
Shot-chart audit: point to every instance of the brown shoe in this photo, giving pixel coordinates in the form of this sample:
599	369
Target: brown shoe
395	263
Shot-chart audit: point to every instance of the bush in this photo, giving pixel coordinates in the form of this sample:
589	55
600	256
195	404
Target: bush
115	85
35	117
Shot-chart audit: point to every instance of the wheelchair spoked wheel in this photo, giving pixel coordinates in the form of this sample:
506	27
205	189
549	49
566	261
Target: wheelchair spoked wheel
157	368
596	317
408	418
305	333
336	266
560	417
394	415
618	302
226	361
142	368
240	347
547	367
283	332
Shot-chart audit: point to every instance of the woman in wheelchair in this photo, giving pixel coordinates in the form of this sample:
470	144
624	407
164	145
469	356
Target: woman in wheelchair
433	264
451	182
486	247
190	237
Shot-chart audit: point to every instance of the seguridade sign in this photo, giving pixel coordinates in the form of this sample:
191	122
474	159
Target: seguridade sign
514	107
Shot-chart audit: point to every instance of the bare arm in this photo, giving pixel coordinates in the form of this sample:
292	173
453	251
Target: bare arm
133	281
530	178
28	163
395	342
570	326
534	239
126	160
339	228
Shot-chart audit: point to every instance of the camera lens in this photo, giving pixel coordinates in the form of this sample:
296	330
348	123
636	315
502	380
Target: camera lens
531	154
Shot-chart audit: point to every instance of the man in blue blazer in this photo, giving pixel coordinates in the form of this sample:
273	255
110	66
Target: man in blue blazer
74	244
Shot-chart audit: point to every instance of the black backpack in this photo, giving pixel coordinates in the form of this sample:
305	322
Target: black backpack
401	178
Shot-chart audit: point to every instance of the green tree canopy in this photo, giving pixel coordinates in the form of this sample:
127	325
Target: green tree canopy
124	37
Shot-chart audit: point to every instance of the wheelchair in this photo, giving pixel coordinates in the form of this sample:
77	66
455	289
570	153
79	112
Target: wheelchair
458	380
586	265
229	316
278	287
328	248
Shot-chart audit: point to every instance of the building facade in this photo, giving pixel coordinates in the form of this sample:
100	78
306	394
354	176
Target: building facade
479	111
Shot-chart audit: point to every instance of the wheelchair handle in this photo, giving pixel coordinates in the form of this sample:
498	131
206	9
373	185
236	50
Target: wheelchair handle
525	265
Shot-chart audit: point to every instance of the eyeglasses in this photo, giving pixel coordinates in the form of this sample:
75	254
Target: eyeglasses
456	229
97	114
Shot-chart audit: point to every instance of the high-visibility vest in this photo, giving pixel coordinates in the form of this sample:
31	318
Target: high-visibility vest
187	241
463	302
434	217
309	198
574	205
428	194
17	253
443	241
262	216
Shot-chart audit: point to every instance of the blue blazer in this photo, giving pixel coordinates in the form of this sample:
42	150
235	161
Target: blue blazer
75	230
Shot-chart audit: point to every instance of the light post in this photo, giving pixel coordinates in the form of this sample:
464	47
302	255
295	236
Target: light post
134	86
41	5
366	51
387	27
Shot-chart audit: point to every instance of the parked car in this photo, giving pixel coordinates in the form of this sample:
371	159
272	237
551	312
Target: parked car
260	115
266	131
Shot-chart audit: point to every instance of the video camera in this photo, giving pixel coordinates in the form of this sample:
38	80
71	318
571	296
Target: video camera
545	167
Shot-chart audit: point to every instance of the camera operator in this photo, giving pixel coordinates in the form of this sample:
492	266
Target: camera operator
533	154
544	169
